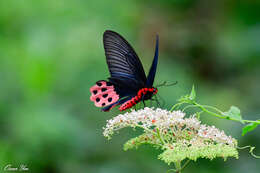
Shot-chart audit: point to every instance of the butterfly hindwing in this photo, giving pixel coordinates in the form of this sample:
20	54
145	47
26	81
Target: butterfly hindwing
103	94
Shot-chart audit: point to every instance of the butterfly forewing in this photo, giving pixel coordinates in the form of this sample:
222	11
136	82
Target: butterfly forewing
123	63
151	75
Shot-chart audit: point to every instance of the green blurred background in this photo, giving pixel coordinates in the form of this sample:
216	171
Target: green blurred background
51	53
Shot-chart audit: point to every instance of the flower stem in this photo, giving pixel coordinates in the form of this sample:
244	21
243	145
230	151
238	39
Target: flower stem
178	166
189	106
207	111
251	121
176	105
212	107
185	164
158	133
251	149
174	170
151	131
202	107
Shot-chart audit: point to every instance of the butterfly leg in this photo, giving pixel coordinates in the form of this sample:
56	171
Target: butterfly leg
144	103
157	101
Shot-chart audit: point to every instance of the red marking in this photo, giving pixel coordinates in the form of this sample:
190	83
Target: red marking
137	98
153	121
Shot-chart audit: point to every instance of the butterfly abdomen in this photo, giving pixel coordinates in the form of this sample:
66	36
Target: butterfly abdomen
143	94
130	103
103	94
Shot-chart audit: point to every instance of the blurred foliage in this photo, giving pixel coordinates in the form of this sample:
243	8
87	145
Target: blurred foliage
51	53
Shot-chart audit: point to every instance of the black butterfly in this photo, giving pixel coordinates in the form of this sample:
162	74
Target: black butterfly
128	84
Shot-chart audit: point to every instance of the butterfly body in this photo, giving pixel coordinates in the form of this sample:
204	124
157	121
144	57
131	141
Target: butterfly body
143	94
127	84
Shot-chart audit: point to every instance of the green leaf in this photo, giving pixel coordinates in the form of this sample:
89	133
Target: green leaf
234	114
248	128
193	93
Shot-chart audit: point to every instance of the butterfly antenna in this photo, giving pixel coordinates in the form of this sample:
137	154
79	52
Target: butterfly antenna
165	83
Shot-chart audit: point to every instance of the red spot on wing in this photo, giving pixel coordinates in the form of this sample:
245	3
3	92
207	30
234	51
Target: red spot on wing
103	94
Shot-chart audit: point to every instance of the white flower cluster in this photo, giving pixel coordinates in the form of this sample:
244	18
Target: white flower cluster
211	132
172	126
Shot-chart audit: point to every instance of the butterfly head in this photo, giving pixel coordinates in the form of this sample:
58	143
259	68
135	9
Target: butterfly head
155	90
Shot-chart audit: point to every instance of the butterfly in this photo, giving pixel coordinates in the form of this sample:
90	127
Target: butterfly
127	84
